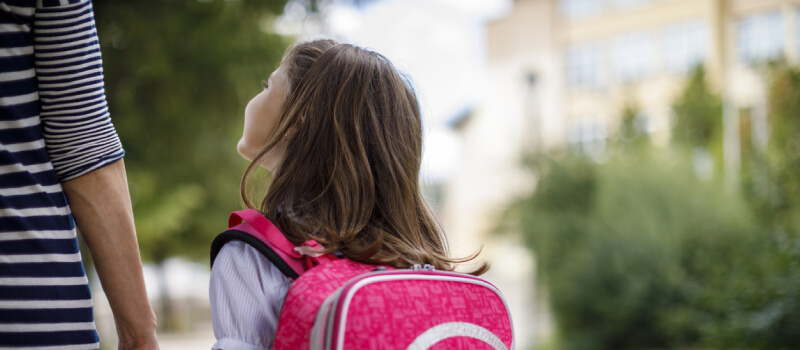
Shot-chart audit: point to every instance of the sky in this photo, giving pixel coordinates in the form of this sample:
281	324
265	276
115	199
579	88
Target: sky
439	43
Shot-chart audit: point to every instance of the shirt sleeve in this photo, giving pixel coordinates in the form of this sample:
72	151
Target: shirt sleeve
246	292
78	133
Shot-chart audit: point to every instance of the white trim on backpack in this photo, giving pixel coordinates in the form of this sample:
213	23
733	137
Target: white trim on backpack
393	277
456	329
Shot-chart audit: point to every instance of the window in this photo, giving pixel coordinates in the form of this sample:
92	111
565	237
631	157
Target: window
577	9
573	9
585	66
624	4
588	137
648	123
759	37
634	58
797	30
686	45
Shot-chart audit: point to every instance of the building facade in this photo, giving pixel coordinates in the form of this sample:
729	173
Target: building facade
560	73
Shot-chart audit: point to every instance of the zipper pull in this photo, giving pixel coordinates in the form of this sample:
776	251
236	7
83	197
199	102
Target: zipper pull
426	267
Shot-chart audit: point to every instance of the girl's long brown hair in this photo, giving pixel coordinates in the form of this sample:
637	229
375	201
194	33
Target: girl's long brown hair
350	175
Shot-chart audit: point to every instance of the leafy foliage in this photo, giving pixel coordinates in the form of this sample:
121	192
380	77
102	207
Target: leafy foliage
698	113
773	189
630	249
178	75
778	202
631	130
638	252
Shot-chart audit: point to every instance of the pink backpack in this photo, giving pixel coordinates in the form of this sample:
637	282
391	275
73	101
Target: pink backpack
336	303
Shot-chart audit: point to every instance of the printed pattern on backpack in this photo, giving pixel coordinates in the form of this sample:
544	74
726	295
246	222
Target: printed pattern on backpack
305	298
414	310
337	303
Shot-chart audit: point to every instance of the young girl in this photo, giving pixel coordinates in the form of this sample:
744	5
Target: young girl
340	131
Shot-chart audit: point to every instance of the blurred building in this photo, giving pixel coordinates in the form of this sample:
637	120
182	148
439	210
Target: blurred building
560	72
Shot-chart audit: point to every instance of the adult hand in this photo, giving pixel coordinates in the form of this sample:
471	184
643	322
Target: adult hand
131	342
101	205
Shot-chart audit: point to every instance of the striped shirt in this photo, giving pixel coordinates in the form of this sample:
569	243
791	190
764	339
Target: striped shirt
54	126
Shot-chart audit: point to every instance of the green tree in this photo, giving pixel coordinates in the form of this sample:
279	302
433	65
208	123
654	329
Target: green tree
773	188
631	131
779	203
639	252
178	75
698	114
635	252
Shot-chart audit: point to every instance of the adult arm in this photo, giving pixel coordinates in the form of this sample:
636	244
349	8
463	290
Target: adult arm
86	155
101	206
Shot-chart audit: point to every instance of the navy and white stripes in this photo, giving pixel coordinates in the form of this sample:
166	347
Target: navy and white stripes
54	126
74	113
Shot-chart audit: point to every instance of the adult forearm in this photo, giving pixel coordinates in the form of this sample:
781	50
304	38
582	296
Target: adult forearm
101	206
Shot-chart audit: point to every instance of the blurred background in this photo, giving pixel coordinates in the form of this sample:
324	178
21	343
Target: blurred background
631	168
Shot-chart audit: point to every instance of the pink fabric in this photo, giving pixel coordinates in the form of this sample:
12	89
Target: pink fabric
463	343
267	232
306	296
392	314
381	315
299	265
263	229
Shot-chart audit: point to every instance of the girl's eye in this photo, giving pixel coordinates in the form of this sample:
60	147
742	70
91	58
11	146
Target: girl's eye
264	84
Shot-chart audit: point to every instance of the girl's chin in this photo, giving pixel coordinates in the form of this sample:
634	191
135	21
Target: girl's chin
268	161
245	151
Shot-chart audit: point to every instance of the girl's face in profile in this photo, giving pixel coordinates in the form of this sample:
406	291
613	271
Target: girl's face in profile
260	119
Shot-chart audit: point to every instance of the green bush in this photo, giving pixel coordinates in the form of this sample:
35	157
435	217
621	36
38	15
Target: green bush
638	253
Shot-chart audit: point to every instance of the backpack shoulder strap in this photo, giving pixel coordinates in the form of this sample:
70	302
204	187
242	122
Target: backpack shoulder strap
260	233
255	242
265	229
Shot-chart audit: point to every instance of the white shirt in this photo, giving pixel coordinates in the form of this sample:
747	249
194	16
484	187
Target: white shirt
247	292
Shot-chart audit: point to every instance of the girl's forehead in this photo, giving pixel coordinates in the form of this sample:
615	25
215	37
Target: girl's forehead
279	73
279	68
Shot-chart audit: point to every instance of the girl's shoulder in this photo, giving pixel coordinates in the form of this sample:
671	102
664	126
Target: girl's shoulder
245	288
239	261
